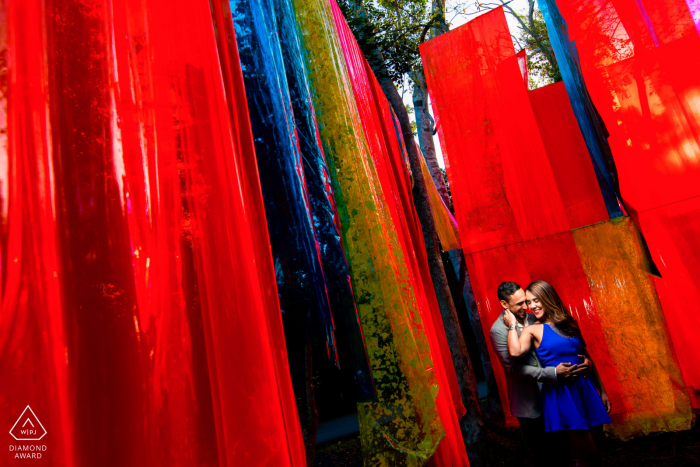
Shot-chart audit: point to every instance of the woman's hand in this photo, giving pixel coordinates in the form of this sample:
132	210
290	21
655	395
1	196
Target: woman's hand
606	401
508	318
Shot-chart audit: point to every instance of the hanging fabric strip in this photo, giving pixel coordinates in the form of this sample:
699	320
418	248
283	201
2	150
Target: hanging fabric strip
377	122
404	424
445	222
659	401
271	57
34	370
152	272
300	280
490	194
568	156
589	121
229	63
320	191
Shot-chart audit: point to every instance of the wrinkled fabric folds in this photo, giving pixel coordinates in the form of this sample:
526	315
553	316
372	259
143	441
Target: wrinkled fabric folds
154	245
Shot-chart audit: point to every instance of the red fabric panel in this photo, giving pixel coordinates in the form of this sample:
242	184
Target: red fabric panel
522	150
568	156
525	262
33	366
241	314
245	151
647	95
650	107
491	137
378	125
150	250
672	233
472	160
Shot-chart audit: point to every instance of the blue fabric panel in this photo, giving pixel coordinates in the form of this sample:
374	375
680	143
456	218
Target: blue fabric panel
592	127
311	269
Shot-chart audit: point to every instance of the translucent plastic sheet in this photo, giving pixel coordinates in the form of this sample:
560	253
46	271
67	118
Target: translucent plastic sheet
320	192
672	232
568	156
491	194
378	124
242	137
300	280
33	367
634	328
296	194
643	78
591	125
403	426
159	272
445	223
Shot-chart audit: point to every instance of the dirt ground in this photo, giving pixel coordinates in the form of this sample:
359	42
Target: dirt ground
656	450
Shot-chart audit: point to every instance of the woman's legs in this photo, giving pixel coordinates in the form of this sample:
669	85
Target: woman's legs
599	439
584	448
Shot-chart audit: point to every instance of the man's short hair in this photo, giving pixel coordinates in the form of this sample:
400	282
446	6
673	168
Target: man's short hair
506	289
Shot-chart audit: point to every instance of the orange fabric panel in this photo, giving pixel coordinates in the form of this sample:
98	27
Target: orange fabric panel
632	321
444	222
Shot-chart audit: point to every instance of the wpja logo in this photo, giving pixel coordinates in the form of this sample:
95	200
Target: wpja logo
28	428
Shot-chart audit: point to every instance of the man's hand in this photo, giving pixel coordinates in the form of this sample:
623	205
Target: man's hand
583	369
508	318
566	371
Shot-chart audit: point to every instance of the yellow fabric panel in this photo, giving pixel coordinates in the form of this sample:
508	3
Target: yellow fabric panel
444	223
403	427
635	330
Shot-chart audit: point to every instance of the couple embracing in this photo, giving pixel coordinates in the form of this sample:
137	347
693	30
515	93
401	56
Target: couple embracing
554	390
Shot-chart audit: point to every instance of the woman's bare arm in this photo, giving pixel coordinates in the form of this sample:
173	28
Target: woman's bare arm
519	346
598	382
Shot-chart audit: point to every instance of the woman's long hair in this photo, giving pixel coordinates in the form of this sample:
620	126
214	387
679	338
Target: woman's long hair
554	309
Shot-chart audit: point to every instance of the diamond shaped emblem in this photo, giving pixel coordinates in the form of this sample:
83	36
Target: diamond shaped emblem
28	427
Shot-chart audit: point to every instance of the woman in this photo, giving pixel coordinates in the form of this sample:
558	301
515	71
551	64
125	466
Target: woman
572	406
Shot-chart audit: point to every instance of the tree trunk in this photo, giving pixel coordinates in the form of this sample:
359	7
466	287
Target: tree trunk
493	410
472	426
425	134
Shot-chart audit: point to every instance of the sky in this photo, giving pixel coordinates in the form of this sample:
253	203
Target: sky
456	21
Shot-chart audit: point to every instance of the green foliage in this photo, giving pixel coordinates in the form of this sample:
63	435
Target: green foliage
535	39
388	32
531	35
447	185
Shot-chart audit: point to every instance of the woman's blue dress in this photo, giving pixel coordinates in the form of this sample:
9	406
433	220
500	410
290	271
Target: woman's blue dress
568	405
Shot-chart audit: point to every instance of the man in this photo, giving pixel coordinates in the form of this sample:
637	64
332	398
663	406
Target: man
524	376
